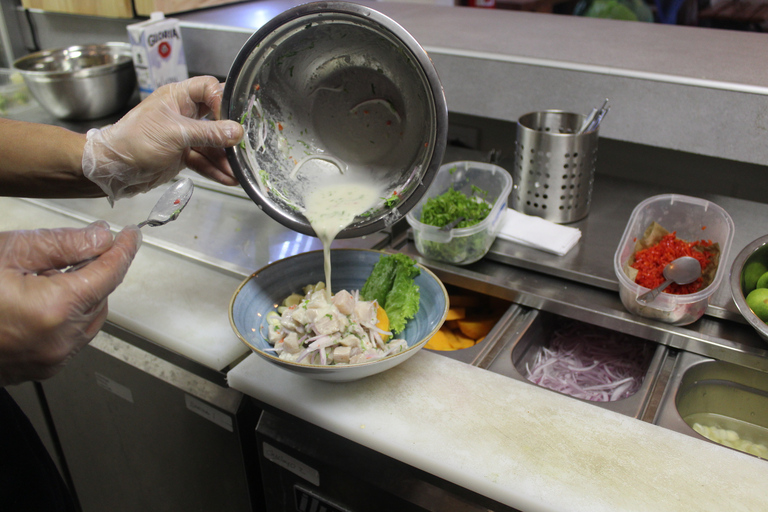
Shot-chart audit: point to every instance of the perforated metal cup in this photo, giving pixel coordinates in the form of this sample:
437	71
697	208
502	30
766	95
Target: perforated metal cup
554	167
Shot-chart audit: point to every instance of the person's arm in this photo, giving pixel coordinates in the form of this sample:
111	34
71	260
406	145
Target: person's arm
47	316
39	160
146	148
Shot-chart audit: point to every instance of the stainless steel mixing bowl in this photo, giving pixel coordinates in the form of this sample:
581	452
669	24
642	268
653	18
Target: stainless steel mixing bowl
328	89
757	250
80	82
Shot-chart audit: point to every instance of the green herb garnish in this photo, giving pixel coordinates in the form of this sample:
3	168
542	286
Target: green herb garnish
446	208
442	210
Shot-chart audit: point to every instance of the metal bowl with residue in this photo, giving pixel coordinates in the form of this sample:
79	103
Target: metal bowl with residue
334	89
80	82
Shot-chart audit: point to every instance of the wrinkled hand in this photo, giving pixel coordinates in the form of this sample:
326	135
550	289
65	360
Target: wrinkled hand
159	137
47	316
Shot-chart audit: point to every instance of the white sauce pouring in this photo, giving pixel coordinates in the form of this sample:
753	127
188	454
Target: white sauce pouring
333	189
333	207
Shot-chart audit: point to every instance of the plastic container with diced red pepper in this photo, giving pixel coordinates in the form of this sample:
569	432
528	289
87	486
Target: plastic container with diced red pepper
692	220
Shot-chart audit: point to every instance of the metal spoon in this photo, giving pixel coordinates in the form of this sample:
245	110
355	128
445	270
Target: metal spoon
452	224
167	208
594	118
170	204
684	270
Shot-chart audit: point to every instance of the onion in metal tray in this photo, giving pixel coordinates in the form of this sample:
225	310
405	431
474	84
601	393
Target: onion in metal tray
591	363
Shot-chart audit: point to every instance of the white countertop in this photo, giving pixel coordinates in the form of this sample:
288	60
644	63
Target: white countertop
526	447
160	297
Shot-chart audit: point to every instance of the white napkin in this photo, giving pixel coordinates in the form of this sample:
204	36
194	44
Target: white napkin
538	233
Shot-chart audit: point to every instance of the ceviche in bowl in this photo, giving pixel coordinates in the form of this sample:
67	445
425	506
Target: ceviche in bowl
383	308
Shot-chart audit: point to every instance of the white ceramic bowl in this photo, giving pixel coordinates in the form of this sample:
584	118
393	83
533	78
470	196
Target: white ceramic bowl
264	290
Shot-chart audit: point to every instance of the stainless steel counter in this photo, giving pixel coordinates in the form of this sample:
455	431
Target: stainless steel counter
223	228
591	261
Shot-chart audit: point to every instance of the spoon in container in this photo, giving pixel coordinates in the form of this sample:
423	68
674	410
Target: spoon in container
452	224
683	270
167	209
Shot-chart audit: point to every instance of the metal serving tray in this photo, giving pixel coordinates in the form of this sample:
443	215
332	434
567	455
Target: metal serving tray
715	393
480	353
520	343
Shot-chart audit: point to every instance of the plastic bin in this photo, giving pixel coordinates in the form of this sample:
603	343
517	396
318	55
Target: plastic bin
692	219
461	246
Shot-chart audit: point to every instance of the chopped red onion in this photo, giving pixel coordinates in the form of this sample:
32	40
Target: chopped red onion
591	363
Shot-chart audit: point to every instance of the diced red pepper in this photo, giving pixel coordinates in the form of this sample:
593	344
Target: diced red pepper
650	262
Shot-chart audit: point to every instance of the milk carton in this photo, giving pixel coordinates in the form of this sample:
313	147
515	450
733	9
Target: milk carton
158	54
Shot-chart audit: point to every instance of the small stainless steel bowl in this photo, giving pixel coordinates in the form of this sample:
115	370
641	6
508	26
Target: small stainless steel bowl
80	82
756	250
332	88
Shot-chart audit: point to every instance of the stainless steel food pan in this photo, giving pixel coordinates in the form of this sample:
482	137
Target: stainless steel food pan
716	394
533	331
480	353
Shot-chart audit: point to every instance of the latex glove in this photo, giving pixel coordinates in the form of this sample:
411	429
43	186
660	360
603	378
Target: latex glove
159	137
46	316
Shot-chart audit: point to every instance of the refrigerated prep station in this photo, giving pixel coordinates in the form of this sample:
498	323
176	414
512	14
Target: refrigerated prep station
167	409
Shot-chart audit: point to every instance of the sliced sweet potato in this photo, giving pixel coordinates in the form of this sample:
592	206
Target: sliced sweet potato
456	313
463	342
451	324
476	328
441	340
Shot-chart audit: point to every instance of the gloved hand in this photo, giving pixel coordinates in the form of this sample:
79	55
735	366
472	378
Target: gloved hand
161	135
47	316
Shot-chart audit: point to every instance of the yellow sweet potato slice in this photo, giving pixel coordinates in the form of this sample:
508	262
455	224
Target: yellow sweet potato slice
440	340
456	314
463	342
476	328
382	320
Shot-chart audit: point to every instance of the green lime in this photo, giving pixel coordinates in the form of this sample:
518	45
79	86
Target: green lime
752	272
757	300
763	281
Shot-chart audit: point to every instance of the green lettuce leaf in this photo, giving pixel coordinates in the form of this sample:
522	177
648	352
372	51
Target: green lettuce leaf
380	281
393	279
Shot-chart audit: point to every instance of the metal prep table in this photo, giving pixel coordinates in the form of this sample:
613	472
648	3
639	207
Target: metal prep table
222	233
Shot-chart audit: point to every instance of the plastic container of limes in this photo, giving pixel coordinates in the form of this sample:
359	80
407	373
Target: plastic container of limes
462	246
692	219
747	269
